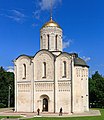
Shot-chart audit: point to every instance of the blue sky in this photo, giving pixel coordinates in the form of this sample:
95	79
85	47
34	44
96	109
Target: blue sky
82	22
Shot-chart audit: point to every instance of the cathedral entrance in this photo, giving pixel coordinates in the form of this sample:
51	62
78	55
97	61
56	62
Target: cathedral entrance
45	105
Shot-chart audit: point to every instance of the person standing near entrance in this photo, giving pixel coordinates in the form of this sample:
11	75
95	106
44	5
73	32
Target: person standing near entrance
60	113
38	110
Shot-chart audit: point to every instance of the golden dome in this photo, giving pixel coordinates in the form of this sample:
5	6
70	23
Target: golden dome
51	23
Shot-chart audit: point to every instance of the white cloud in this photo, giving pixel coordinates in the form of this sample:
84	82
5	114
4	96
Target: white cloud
14	15
34	25
100	65
46	4
43	5
86	58
10	69
66	44
36	14
18	13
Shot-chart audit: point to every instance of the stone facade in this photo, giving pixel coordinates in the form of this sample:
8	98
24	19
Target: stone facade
51	79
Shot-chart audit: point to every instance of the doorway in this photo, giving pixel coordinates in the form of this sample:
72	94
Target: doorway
45	105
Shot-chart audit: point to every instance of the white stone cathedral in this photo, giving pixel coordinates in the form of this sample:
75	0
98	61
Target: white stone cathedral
51	79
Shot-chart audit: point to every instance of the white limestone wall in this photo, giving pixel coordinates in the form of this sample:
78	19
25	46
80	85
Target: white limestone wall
63	86
19	63
59	67
64	97
44	90
23	99
80	89
31	90
23	86
86	92
43	87
43	56
52	32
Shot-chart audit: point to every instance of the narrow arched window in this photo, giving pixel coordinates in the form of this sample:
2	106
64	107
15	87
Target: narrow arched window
41	42
56	41
64	69
48	41
41	37
44	69
24	71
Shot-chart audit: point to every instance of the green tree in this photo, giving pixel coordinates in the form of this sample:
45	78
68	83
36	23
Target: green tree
6	80
96	90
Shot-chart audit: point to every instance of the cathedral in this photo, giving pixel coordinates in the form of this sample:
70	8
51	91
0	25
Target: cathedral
51	79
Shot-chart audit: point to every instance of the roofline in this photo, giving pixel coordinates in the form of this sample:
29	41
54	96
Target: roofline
81	65
43	50
24	55
68	54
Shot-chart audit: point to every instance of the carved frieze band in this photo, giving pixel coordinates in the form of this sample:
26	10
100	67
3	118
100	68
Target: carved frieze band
44	87
24	87
64	87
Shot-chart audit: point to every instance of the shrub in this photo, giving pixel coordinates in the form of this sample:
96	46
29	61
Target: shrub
2	105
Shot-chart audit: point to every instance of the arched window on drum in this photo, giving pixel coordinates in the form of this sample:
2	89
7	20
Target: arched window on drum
56	42
48	42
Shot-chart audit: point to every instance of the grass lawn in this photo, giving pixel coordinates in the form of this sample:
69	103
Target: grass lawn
10	117
73	118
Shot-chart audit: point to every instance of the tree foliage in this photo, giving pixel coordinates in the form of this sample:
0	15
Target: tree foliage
96	90
6	80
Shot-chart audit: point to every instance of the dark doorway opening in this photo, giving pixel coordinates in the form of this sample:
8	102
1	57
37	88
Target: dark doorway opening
45	105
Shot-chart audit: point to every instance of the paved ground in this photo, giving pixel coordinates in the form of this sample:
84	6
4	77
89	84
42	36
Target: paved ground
9	112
